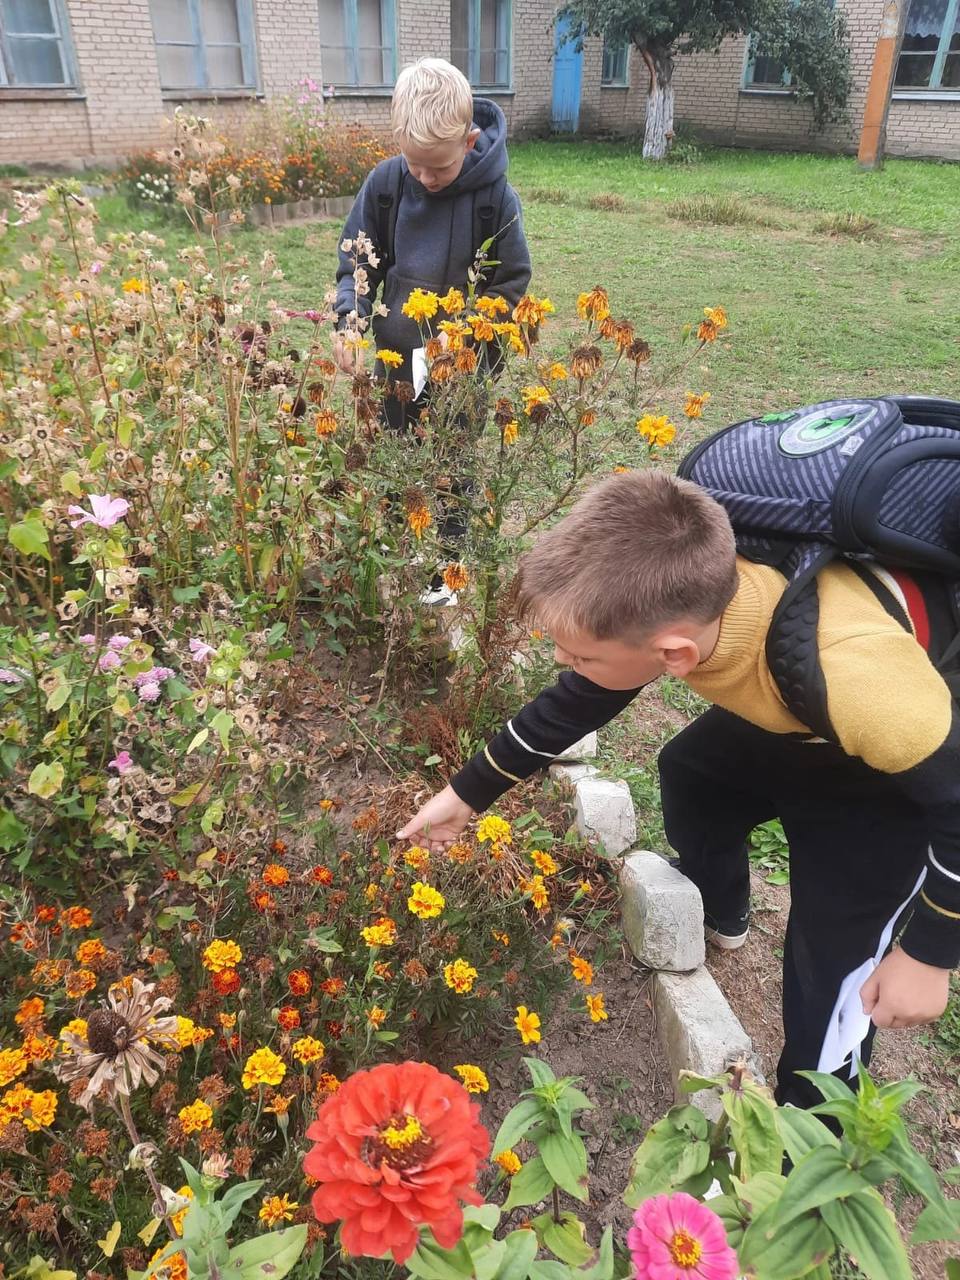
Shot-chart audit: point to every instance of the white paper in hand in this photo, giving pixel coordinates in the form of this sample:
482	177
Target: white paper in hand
419	371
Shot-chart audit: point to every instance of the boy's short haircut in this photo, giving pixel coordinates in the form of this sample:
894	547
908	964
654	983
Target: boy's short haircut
432	102
638	552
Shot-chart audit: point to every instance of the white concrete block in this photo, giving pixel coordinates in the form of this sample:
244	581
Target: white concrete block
662	914
585	749
570	774
604	812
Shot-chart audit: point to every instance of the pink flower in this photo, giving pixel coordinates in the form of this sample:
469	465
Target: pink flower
89	639
106	511
118	642
678	1238
200	651
153	676
122	761
107	661
9	677
149	692
96	267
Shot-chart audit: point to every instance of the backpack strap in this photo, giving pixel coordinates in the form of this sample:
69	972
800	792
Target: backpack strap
792	652
487	206
388	204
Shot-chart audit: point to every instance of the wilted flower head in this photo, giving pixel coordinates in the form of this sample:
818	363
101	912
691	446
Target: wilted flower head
117	1055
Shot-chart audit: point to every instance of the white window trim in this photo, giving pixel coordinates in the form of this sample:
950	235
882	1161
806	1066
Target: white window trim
388	22
617	84
940	57
747	86
69	84
248	57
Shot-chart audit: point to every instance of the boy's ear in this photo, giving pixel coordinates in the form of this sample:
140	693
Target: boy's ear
679	655
472	137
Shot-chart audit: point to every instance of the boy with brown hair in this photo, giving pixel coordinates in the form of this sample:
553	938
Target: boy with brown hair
642	579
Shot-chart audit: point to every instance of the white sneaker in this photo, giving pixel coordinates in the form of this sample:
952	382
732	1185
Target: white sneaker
442	597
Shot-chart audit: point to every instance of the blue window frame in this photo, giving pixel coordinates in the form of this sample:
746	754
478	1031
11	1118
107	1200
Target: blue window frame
204	45
615	63
34	45
480	41
930	53
359	42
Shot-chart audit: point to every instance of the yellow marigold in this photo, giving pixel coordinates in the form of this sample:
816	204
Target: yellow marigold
545	864
30	1012
582	969
455	577
494	829
510	430
277	1209
507	329
76	918
263	1067
382	933
596	1009
307	1049
419	520
222	953
382	970
532	396
460	852
325	423
509	1162
537	892
460	976
695	404
452	302
79	982
176	1218
456	331
174	1267
279	1104
658	431
133	285
528	1024
41	1110
328	1083
425	901
594	305
492	305
13	1063
91	953
556	372
188	1035
417	857
39	1048
482	328
275	875
421	305
195	1117
75	1027
472	1078
532	311
502	938
392	358
376	1016
716	316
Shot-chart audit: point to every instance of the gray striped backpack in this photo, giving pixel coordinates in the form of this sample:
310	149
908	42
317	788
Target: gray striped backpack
876	482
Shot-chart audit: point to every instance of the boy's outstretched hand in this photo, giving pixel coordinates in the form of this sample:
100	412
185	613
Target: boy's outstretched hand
440	821
903	992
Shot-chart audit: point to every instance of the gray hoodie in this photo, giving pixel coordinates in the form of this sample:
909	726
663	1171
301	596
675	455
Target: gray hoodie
433	239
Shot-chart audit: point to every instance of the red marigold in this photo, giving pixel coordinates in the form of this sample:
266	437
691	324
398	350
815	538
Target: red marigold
226	982
299	982
396	1147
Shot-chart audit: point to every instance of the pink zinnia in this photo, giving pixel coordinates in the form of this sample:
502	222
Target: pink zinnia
678	1238
106	511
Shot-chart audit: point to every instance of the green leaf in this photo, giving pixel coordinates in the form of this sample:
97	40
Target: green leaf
59	694
124	431
186	595
212	816
432	760
566	1161
549	1271
70	483
46	780
12	830
516	1123
268	1257
602	1269
182	798
222	724
531	1185
866	1228
485	1215
690	1082
564	1239
940	1220
822	1175
433	1263
784	1251
98	454
30	537
521	1249
953	1269
753	1129
486	1259
198	740
802	1132
663	1150
759	1193
540	1073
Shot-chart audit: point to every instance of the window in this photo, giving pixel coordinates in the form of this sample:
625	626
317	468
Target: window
614	64
765	73
204	44
34	51
359	42
930	53
480	41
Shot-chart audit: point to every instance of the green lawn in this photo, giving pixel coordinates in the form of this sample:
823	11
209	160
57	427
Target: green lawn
813	315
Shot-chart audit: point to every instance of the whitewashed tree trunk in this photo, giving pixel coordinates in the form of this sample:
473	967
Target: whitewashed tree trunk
658	132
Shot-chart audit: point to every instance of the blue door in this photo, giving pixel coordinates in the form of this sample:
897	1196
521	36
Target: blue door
567	73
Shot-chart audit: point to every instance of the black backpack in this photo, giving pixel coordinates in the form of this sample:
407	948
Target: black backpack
870	481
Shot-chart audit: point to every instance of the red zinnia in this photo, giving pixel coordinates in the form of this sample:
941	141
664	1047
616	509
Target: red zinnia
396	1147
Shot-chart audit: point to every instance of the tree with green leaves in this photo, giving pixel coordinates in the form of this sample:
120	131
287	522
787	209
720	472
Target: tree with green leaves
807	36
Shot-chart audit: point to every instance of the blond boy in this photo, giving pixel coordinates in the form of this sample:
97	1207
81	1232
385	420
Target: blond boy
642	579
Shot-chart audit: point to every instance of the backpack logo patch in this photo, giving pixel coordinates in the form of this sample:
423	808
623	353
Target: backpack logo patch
822	429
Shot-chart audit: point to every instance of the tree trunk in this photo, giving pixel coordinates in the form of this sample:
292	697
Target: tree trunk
658	133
